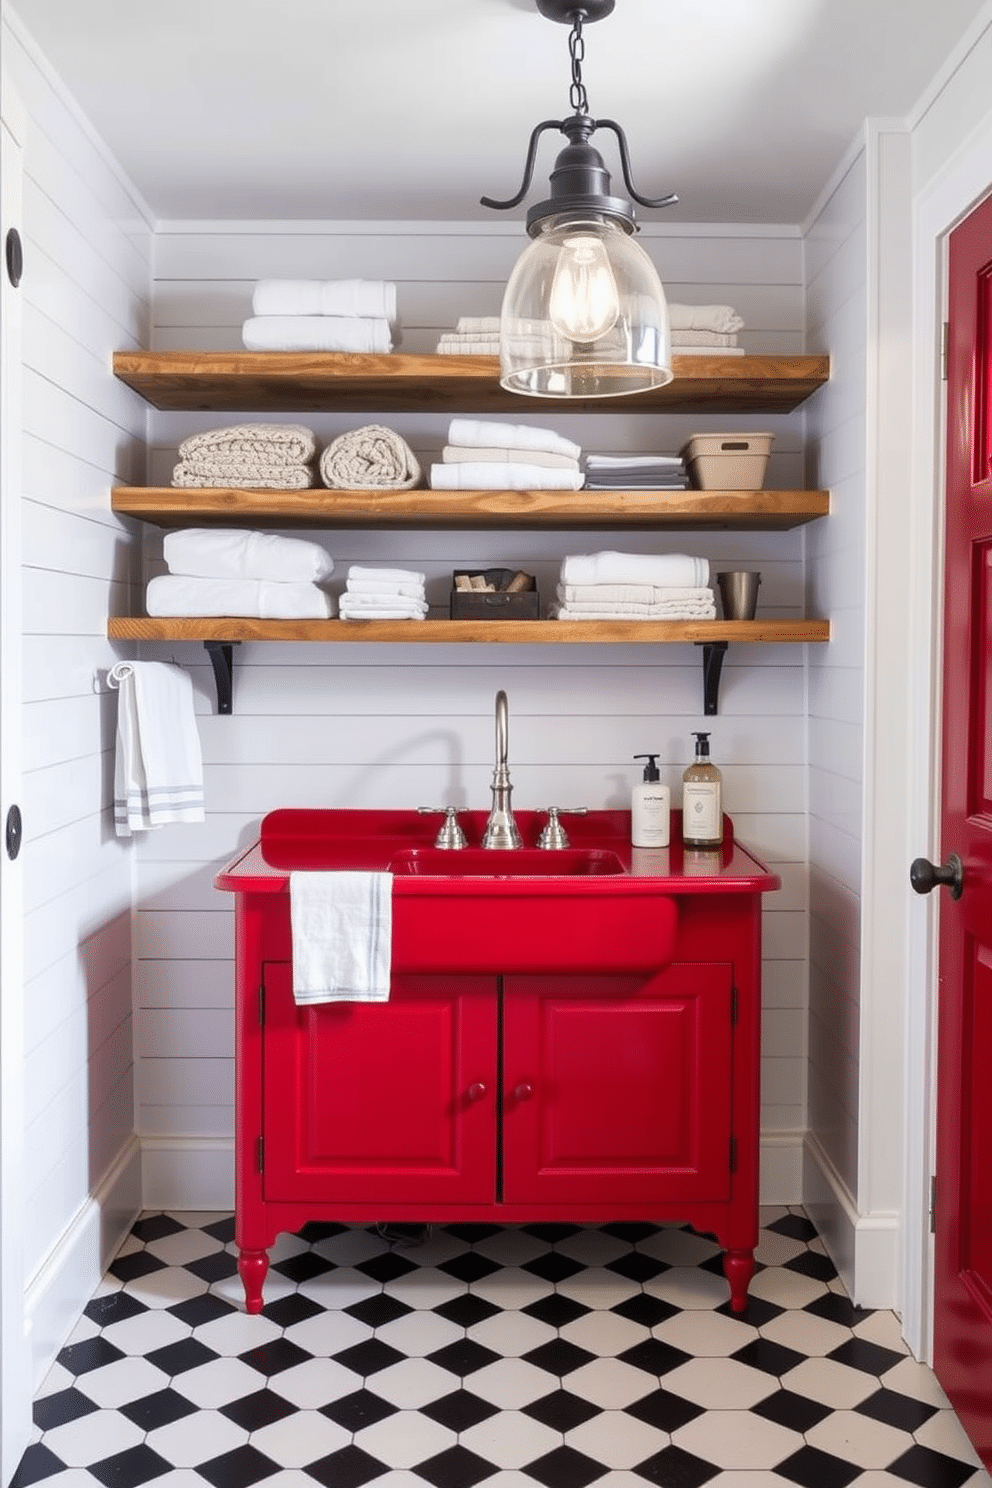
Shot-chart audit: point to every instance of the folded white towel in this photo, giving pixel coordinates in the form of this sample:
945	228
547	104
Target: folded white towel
484	475
158	769
228	553
381	607
256	444
474	325
385	575
703	338
483	433
368	299
663	569
342	931
260	599
371	458
710	351
316	333
634	462
673	611
461	454
602	596
704	318
468	346
374	587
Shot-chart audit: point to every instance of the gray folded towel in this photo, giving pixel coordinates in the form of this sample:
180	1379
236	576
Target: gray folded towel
371	458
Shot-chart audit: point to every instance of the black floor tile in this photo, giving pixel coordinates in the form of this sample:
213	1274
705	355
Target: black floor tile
89	1353
565	1468
376	1311
463	1357
469	1266
552	1233
556	1310
221	1229
811	1263
263	1408
217	1266
654	1356
159	1409
113	1307
859	1353
901	1411
238	1469
644	1309
195	1311
931	1469
158	1227
837	1308
773	1358
63	1406
673	1468
459	1410
139	1263
303	1267
360	1408
811	1468
455	1468
664	1410
553	1266
348	1468
467	1310
272	1358
369	1357
637	1266
387	1267
127	1469
794	1226
560	1410
286	1311
38	1462
177	1358
558	1356
786	1408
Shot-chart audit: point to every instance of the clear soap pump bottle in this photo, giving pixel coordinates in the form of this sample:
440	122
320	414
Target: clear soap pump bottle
702	799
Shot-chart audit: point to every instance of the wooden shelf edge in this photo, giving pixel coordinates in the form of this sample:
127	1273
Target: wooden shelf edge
290	380
500	632
170	506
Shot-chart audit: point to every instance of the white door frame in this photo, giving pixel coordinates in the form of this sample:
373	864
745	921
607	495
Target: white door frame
936	211
15	1366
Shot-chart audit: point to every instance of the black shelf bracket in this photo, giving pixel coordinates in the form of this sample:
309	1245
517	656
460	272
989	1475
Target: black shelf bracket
221	655
713	654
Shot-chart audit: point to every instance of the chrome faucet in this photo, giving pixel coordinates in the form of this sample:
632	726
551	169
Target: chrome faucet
501	830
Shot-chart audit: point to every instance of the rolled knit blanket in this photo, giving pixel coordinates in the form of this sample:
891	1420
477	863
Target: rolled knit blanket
242	476
372	458
255	444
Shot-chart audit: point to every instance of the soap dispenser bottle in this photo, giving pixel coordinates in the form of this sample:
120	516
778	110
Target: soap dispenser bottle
650	808
702	799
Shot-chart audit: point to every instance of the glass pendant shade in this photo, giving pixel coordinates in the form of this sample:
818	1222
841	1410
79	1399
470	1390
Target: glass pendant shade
584	313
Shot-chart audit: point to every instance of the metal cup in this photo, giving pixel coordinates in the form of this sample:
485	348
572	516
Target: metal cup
738	594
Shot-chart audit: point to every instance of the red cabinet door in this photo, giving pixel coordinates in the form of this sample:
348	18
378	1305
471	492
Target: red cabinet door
381	1102
618	1087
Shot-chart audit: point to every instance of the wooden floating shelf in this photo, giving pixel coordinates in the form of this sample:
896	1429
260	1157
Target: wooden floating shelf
759	511
499	632
281	381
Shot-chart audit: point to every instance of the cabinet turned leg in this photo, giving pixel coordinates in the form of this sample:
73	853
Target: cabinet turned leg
252	1266
738	1267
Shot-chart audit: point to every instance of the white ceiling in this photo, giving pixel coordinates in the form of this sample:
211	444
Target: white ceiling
413	109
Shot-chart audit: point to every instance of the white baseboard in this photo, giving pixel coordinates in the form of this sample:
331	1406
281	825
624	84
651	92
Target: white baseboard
69	1275
865	1248
187	1173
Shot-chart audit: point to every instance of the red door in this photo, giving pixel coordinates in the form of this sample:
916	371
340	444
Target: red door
963	1254
618	1088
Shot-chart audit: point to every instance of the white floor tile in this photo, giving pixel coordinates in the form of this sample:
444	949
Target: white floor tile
147	1331
93	1437
512	1383
196	1439
183	1247
610	1383
217	1383
805	1332
405	1439
592	1247
511	1333
706	1334
720	1384
314	1383
118	1384
857	1438
328	1333
737	1439
597	1287
786	1288
686	1287
300	1438
419	1333
511	1440
412	1383
511	1287
910	1377
604	1333
678	1247
832	1384
616	1439
426	1287
944	1433
166	1287
512	1246
236	1333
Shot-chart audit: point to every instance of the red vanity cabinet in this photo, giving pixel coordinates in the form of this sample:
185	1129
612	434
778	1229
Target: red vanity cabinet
506	1096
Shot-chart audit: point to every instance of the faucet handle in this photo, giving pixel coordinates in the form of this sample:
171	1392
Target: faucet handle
553	836
450	834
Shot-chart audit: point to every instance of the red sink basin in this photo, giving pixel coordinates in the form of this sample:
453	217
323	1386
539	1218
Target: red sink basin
479	862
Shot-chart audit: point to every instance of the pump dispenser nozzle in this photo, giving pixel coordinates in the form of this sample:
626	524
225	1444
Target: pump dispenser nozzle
702	746
651	768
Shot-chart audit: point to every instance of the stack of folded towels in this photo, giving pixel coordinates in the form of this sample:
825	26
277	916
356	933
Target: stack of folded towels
474	335
383	594
221	571
322	315
636	473
485	456
274	456
705	330
635	586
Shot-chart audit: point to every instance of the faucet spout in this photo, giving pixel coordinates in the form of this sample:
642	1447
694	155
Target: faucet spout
501	829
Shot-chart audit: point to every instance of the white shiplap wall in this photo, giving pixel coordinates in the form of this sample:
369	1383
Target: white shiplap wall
837	258
405	725
85	291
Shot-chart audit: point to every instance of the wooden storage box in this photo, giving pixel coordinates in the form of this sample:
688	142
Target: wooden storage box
469	604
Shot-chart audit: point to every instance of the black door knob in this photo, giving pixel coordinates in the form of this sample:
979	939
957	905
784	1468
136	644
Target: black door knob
926	876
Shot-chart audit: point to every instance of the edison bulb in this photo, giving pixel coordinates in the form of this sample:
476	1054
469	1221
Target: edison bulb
584	303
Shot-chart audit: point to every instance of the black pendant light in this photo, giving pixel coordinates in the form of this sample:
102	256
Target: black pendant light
584	313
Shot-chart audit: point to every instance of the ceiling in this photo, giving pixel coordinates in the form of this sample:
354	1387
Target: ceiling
412	109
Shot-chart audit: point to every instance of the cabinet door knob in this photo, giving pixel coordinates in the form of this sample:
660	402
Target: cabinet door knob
523	1091
476	1090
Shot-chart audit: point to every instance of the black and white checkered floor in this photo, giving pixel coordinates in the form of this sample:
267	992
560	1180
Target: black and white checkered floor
561	1355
